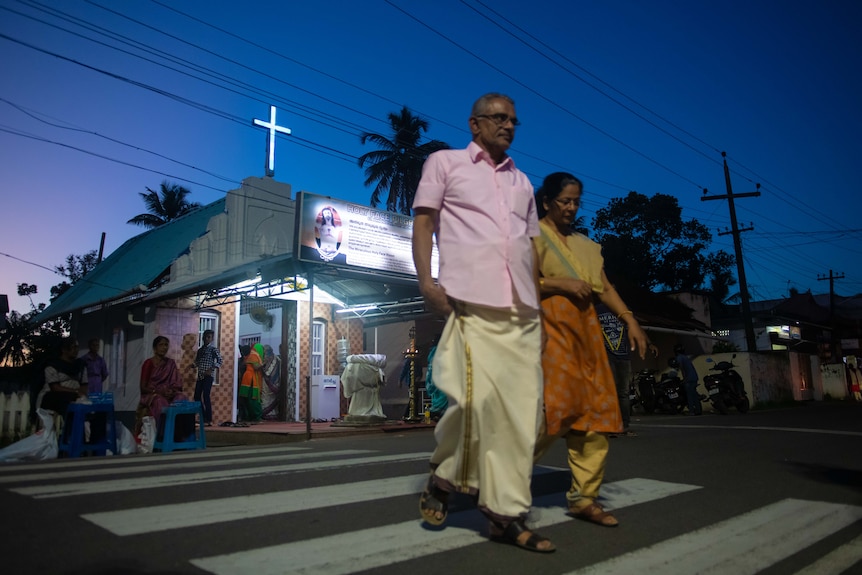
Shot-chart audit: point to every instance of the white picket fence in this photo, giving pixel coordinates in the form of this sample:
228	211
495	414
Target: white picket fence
14	416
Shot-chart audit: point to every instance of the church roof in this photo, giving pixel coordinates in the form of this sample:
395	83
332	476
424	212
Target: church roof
139	262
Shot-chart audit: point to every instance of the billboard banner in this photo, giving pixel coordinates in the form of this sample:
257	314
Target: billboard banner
331	231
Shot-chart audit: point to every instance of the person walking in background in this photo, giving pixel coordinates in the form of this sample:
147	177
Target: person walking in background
689	378
487	359
580	394
615	336
249	390
97	369
207	360
271	387
439	403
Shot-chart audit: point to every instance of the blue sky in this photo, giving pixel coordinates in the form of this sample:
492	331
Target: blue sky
101	99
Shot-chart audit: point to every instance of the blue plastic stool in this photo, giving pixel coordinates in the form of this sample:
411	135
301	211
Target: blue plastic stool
198	440
72	440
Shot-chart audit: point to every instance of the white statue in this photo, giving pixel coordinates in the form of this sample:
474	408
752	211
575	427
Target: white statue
361	383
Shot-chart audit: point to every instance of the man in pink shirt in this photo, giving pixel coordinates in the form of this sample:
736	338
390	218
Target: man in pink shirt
482	210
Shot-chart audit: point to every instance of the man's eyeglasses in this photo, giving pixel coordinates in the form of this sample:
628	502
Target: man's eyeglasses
500	119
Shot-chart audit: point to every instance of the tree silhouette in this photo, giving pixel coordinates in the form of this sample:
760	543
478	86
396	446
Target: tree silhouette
647	245
395	169
163	206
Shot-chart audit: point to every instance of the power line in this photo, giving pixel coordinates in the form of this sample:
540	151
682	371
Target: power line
545	98
513	26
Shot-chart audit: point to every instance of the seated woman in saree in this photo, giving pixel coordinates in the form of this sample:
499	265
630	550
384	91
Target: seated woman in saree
161	383
580	395
250	409
269	391
65	379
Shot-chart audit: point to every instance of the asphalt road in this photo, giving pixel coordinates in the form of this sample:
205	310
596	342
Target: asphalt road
774	492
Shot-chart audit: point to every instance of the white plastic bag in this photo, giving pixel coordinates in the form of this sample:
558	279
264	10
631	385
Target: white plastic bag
126	444
147	436
41	445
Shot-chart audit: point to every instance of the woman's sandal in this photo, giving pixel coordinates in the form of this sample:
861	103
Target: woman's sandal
433	502
512	534
594	513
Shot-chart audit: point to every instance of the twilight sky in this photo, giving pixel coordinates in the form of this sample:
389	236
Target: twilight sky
101	99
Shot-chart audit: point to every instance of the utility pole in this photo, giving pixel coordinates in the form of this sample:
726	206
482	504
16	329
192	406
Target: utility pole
834	338
751	342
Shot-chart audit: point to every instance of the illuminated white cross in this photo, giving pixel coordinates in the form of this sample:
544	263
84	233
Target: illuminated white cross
270	142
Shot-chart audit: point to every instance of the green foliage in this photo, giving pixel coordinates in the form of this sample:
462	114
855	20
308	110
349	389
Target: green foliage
76	267
580	226
23	341
14	340
724	347
395	169
168	204
647	245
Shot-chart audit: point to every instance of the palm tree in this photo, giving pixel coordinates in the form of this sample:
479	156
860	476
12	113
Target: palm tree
166	205
397	166
15	339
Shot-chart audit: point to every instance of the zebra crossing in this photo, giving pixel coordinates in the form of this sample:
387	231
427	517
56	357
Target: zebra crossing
747	543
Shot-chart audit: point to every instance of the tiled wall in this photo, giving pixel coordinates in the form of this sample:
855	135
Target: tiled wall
222	394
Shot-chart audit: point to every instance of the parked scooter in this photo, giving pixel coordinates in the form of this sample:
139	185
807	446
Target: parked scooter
642	390
726	388
670	394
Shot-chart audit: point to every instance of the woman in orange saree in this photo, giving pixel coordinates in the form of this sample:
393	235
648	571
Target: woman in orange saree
580	396
250	408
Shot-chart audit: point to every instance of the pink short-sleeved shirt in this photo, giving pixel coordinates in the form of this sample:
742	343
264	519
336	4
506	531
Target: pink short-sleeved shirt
486	217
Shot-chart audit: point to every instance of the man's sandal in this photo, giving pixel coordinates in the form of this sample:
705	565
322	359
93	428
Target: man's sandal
512	534
434	504
594	513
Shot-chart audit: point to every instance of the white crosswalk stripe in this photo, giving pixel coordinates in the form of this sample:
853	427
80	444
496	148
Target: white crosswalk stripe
165	480
838	561
162	517
171	465
741	545
176	515
376	547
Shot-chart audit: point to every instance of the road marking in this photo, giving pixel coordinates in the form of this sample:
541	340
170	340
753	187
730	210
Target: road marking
838	561
176	515
753	428
163	517
135	483
177	466
138	458
379	546
742	545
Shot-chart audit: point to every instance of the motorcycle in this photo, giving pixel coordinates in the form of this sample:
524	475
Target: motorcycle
670	394
726	388
642	390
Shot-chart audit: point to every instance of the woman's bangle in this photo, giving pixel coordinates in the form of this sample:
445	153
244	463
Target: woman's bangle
620	316
541	283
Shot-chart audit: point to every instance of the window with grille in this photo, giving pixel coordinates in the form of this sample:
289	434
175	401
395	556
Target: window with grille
208	321
318	347
249	340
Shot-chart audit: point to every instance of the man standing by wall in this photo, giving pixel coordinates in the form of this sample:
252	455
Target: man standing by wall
689	380
207	360
488	360
616	338
97	369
